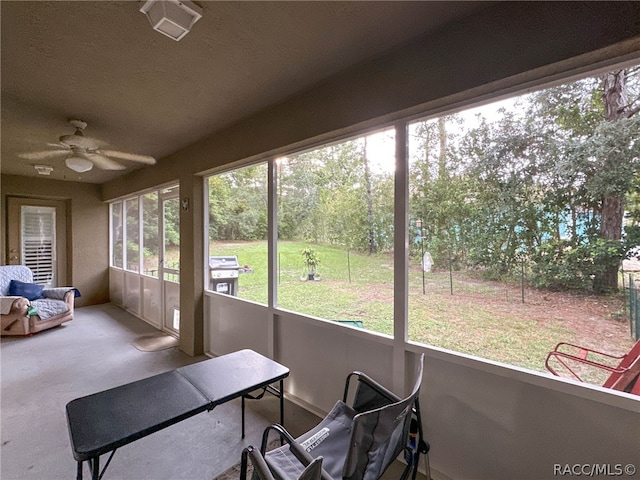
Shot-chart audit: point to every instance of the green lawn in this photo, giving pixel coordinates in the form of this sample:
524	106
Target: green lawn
480	318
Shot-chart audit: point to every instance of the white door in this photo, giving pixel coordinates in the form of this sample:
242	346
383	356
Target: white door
170	259
37	238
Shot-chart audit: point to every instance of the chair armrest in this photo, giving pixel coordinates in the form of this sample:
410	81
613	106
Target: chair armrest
573	350
69	298
565	359
261	470
260	467
14	316
296	449
584	355
59	293
13	305
66	294
285	436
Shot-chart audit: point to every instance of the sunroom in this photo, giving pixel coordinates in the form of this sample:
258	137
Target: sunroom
143	240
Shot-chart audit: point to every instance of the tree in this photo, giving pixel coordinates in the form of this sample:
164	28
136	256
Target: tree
541	181
373	247
595	133
439	192
219	205
336	195
238	204
616	144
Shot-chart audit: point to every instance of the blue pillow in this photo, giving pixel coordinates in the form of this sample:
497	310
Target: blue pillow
29	291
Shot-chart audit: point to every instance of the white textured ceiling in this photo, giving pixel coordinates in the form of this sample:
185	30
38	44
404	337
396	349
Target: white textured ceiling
100	61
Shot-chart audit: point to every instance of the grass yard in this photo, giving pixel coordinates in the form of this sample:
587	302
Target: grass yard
481	318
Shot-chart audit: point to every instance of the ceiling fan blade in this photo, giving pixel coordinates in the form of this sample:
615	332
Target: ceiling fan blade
80	141
104	163
44	154
134	157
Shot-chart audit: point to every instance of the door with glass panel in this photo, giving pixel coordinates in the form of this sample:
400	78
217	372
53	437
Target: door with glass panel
170	258
36	237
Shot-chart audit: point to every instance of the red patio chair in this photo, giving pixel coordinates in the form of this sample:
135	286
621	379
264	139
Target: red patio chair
623	377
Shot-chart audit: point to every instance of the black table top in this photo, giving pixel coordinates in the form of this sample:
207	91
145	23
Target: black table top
104	421
107	420
229	376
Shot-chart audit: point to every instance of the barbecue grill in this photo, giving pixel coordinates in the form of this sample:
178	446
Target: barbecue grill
223	274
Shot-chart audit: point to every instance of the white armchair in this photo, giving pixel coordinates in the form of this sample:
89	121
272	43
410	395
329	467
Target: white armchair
34	308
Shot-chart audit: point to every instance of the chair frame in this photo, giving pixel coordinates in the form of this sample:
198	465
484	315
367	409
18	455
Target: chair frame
413	449
623	377
261	468
421	447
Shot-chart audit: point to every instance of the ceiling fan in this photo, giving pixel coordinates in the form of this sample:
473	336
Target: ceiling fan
84	152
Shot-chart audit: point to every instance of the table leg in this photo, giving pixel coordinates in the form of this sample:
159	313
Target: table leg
274	391
282	402
243	417
95	468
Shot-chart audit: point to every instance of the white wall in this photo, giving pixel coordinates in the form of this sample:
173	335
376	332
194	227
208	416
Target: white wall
144	302
483	420
237	325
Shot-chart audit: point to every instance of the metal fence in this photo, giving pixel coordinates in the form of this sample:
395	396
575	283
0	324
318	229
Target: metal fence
516	289
634	307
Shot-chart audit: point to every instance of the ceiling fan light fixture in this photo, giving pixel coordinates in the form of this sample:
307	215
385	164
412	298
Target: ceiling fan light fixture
78	164
172	18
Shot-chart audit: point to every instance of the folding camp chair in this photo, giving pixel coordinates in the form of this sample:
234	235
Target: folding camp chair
624	376
261	471
357	441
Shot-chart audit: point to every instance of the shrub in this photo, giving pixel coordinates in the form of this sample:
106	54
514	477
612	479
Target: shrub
566	265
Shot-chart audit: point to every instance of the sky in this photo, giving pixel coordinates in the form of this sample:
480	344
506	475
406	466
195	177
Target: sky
381	148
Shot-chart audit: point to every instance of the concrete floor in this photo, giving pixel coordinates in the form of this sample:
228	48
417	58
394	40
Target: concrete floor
42	373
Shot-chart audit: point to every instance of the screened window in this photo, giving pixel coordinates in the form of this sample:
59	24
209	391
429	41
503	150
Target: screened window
171	234
237	233
117	242
145	233
151	239
514	244
335	232
513	247
132	219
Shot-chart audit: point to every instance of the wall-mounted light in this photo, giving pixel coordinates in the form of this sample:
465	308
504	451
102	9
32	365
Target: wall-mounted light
43	169
172	18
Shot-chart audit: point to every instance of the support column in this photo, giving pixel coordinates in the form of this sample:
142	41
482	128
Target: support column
272	252
191	264
400	258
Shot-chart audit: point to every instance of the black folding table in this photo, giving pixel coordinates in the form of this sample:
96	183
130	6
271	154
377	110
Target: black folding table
103	422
